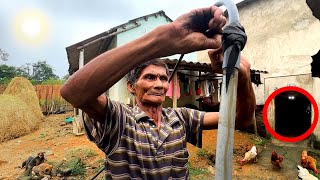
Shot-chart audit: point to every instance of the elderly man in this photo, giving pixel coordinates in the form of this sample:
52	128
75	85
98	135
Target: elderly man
148	141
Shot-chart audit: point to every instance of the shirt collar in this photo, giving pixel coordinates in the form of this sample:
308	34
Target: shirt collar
139	114
168	115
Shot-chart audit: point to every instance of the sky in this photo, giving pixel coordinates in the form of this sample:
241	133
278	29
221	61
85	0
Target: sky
36	30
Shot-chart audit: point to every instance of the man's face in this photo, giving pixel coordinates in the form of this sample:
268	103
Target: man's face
152	85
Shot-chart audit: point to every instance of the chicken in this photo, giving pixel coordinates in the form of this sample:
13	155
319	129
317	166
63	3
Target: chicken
303	160
308	162
304	153
250	156
276	160
248	148
304	174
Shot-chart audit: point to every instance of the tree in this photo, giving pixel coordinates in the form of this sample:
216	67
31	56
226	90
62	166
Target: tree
42	71
65	77
4	55
7	73
37	73
24	71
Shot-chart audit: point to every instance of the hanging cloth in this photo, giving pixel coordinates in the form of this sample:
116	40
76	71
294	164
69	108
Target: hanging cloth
205	87
198	88
186	86
170	90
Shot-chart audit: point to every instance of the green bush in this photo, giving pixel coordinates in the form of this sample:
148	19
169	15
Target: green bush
82	153
53	81
77	166
196	171
260	140
203	153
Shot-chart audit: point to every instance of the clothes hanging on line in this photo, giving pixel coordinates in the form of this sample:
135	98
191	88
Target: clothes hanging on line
205	87
186	84
198	88
170	90
187	90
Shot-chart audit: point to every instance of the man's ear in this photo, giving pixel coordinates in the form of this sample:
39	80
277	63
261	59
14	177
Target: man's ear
131	88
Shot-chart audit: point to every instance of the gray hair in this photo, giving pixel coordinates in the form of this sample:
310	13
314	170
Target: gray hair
135	73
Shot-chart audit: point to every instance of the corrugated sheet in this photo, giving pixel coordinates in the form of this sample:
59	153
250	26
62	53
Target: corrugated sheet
191	66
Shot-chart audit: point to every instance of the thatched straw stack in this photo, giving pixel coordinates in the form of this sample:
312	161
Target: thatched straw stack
22	88
16	118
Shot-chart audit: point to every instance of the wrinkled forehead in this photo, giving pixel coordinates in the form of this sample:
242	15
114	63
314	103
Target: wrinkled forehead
155	70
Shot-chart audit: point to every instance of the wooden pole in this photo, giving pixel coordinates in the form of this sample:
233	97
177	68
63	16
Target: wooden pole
199	85
77	123
81	63
175	81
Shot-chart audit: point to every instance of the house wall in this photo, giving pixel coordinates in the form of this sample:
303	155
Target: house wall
277	82
316	96
282	40
145	27
119	91
282	37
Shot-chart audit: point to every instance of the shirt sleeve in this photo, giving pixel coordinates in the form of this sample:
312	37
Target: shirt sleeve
106	135
193	121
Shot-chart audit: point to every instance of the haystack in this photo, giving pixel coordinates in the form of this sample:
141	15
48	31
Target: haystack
16	118
22	88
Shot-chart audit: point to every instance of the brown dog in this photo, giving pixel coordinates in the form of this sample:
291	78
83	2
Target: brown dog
42	169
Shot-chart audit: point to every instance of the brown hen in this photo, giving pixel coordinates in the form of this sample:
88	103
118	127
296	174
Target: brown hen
276	160
308	162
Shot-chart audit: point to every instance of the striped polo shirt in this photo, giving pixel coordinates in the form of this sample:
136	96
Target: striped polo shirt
136	149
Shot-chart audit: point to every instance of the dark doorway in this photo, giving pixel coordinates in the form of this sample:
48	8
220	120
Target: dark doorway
292	114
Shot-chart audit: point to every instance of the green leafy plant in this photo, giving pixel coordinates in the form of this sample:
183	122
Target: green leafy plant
83	153
53	81
42	135
196	171
73	166
101	165
203	153
77	166
257	140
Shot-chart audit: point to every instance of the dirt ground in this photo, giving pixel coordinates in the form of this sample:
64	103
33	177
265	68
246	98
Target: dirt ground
57	140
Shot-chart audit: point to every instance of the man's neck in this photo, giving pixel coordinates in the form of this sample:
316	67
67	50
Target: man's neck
153	111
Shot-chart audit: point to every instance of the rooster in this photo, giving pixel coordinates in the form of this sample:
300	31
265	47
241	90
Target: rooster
304	174
250	156
276	160
308	162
